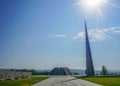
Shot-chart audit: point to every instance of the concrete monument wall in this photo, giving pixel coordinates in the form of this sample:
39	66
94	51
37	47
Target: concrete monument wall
61	71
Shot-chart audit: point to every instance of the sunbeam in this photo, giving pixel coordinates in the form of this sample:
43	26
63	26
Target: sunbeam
95	5
92	5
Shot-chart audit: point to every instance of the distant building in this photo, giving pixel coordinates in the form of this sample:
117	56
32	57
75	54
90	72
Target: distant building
61	71
89	62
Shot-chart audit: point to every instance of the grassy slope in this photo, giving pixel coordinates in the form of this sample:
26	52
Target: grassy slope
105	81
23	82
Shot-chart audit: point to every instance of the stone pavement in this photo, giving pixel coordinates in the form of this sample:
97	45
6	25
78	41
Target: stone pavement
65	81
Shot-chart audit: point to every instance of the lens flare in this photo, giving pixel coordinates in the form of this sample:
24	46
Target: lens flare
92	5
95	5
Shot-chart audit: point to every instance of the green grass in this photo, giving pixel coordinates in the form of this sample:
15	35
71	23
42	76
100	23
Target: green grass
105	81
22	82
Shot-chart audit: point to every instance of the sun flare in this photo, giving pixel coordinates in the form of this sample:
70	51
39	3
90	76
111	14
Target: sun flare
93	3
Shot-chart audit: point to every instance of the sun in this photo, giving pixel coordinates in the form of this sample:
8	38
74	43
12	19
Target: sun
95	6
93	3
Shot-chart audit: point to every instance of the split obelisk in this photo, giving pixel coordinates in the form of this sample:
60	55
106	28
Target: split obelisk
89	62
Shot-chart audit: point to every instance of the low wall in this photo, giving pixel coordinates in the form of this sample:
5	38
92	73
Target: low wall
5	74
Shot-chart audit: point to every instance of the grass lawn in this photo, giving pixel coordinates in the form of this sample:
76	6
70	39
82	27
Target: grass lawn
22	82
105	81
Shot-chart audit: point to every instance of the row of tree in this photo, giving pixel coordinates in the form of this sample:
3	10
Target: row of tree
105	72
34	72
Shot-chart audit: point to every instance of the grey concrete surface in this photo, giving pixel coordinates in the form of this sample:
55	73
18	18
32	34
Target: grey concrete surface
65	81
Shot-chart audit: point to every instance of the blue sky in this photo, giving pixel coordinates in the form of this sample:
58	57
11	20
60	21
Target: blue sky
42	34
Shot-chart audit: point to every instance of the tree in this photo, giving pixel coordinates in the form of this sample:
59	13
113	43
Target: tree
104	71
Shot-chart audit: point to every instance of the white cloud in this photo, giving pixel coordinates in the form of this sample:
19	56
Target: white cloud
94	34
116	31
99	34
80	35
58	36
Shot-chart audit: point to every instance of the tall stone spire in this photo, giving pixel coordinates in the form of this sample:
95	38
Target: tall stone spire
89	62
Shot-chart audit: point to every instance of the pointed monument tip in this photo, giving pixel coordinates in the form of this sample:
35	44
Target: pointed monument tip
89	62
85	25
84	19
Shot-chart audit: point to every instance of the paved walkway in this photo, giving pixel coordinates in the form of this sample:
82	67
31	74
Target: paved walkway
65	81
